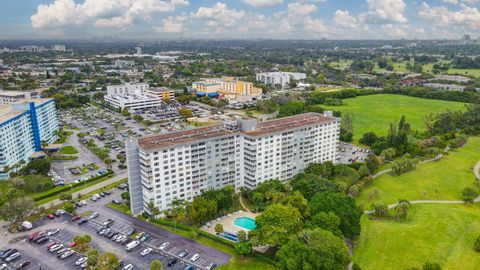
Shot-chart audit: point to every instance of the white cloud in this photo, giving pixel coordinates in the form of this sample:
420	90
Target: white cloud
344	19
218	15
172	24
468	17
457	2
101	12
385	11
394	31
262	3
297	10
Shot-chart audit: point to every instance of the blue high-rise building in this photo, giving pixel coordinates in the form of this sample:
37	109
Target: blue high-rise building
24	126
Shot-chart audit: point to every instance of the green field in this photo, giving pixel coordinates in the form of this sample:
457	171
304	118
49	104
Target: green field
68	150
437	233
442	180
472	72
376	112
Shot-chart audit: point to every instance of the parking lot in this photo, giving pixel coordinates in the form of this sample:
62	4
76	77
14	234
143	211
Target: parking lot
39	256
349	153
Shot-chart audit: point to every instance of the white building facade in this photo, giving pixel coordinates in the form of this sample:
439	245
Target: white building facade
23	128
281	78
183	164
131	96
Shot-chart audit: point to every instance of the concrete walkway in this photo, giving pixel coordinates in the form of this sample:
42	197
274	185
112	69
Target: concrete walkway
116	177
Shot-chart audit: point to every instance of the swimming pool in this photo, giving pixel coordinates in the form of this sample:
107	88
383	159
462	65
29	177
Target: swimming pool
245	223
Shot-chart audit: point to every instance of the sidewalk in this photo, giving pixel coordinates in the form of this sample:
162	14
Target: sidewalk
117	177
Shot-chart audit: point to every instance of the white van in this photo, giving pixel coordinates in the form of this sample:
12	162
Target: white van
131	245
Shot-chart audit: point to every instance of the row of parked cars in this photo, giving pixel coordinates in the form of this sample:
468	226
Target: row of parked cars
10	255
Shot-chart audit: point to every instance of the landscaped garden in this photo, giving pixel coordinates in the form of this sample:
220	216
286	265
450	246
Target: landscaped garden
376	112
442	234
68	150
441	180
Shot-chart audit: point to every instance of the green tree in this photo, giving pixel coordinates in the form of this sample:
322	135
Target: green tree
155	265
380	209
401	210
308	185
92	258
125	195
341	205
17	209
152	209
476	246
368	138
313	249
297	200
431	266
107	261
201	210
469	194
276	224
185	113
63	196
69	207
242	236
347	122
218	228
326	221
363	171
38	166
244	248
292	108
138	118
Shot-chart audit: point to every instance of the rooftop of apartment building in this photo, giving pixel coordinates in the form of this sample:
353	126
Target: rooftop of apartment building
268	127
133	97
11	93
9	111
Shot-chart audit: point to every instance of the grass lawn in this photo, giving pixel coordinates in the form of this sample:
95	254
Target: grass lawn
472	72
120	208
376	112
442	180
437	233
68	150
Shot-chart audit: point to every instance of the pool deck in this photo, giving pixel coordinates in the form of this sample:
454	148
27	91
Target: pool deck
227	222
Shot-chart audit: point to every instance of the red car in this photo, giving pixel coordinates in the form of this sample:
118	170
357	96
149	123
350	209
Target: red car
51	244
31	236
72	244
75	218
50	216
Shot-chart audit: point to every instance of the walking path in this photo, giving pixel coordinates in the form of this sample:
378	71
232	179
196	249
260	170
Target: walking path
476	171
116	177
242	204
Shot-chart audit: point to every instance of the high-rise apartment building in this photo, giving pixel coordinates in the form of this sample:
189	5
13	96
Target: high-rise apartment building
240	153
23	128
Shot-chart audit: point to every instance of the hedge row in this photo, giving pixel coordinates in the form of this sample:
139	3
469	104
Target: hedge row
54	192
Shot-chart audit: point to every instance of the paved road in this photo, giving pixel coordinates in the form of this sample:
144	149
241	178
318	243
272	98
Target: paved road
117	177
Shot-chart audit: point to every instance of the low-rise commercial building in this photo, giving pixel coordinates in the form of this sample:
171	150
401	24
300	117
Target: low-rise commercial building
163	93
24	127
241	153
131	97
279	78
9	97
229	88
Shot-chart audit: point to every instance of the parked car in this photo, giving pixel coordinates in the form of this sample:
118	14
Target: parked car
8	253
59	212
56	248
53	232
145	237
75	218
82	221
183	253
4	266
13	257
140	235
128	267
210	266
172	262
42	240
67	254
188	267
23	264
164	245
94	215
145	252
195	257
108	222
50	216
81	261
132	245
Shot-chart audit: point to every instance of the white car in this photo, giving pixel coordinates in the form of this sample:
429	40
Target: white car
146	251
164	245
132	245
128	267
3	266
53	232
67	254
195	257
56	248
81	261
120	238
83	202
94	215
83	265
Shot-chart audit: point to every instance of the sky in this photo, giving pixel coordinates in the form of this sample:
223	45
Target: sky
239	19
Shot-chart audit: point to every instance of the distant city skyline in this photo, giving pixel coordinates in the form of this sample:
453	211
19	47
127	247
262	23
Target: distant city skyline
274	19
